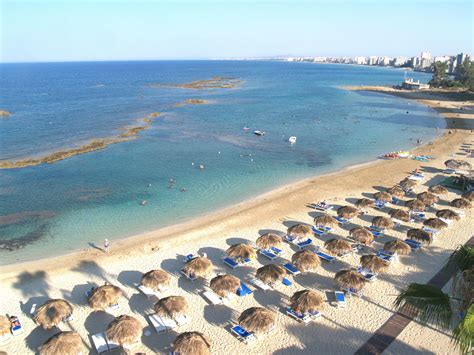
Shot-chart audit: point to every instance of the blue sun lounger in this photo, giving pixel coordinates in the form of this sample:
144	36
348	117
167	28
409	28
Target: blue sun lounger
276	250
268	254
286	282
305	243
379	204
340	299
414	245
304	318
395	200
351	292
368	275
342	220
292	269
324	256
243	290
242	334
234	264
321	230
385	256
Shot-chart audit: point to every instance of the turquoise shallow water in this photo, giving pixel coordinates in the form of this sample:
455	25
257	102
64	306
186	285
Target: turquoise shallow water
52	209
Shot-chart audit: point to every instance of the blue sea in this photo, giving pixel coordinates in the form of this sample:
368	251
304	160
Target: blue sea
57	208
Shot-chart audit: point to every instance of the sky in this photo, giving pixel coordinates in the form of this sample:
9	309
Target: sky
72	30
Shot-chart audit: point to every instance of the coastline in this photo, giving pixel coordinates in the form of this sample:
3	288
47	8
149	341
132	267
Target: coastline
149	241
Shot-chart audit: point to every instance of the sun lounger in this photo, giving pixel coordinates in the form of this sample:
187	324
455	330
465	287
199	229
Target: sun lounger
291	269
342	220
259	284
314	314
320	206
395	201
243	290
431	230
17	329
386	257
277	251
99	342
295	242
189	257
33	310
242	334
161	325
303	318
351	292
113	345
5	337
340	299
213	298
268	254
379	204
286	282
324	256
146	291
414	245
181	320
234	264
189	277
368	275
416	177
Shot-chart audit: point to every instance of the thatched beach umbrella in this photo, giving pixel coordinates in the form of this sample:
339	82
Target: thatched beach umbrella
225	284
241	251
63	343
383	196
396	191
347	212
435	223
271	273
325	220
350	279
469	195
460	203
124	330
438	190
257	319
199	267
306	301
361	235
300	231
171	306
408	184
457	164
338	246
415	205
104	296
156	280
269	240
373	263
363	203
53	312
397	247
420	236
382	222
305	260
427	198
4	325
401	215
191	343
448	214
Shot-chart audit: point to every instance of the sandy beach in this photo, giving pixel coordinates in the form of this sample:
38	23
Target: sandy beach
338	331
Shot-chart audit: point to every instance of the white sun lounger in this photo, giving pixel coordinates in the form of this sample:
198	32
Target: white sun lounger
146	291
368	275
5	337
188	277
161	325
33	310
99	342
213	298
181	320
304	318
259	284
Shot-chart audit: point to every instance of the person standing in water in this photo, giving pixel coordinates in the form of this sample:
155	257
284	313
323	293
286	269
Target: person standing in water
106	245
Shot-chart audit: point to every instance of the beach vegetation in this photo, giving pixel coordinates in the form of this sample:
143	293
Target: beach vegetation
463	78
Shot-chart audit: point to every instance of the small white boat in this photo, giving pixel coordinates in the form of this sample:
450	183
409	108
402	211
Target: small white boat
143	203
246	129
259	133
292	139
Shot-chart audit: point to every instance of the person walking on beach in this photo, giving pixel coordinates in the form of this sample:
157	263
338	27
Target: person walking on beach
106	245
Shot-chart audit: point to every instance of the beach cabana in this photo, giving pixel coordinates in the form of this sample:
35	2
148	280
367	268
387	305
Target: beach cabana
306	301
401	215
102	297
5	326
420	236
271	273
364	203
457	164
361	235
156	280
350	280
382	222
241	252
435	223
397	247
63	343
300	231
269	240
373	263
124	330
325	220
460	203
347	212
223	285
305	260
338	246
415	205
192	343
438	190
427	198
383	196
53	312
200	266
396	191
469	196
448	215
257	320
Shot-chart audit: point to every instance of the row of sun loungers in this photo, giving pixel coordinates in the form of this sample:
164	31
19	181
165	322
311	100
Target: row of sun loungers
297	243
102	344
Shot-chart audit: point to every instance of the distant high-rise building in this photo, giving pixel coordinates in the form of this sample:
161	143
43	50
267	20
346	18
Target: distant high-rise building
399	61
372	60
360	60
425	55
460	58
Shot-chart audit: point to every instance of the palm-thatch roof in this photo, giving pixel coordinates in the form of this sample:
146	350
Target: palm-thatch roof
4	325
361	235
63	343
104	296
448	214
325	220
401	215
373	263
300	231
225	284
457	164
199	267
269	240
408	183
257	319
305	260
397	247
460	203
469	195
52	312
415	205
124	330
271	273
383	196
396	191
438	190
156	280
364	203
350	279
306	301
191	343
382	222
338	246
347	212
241	251
427	198
420	235
171	306
435	223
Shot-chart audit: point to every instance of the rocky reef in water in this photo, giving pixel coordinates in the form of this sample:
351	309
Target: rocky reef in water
193	102
216	82
4	113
